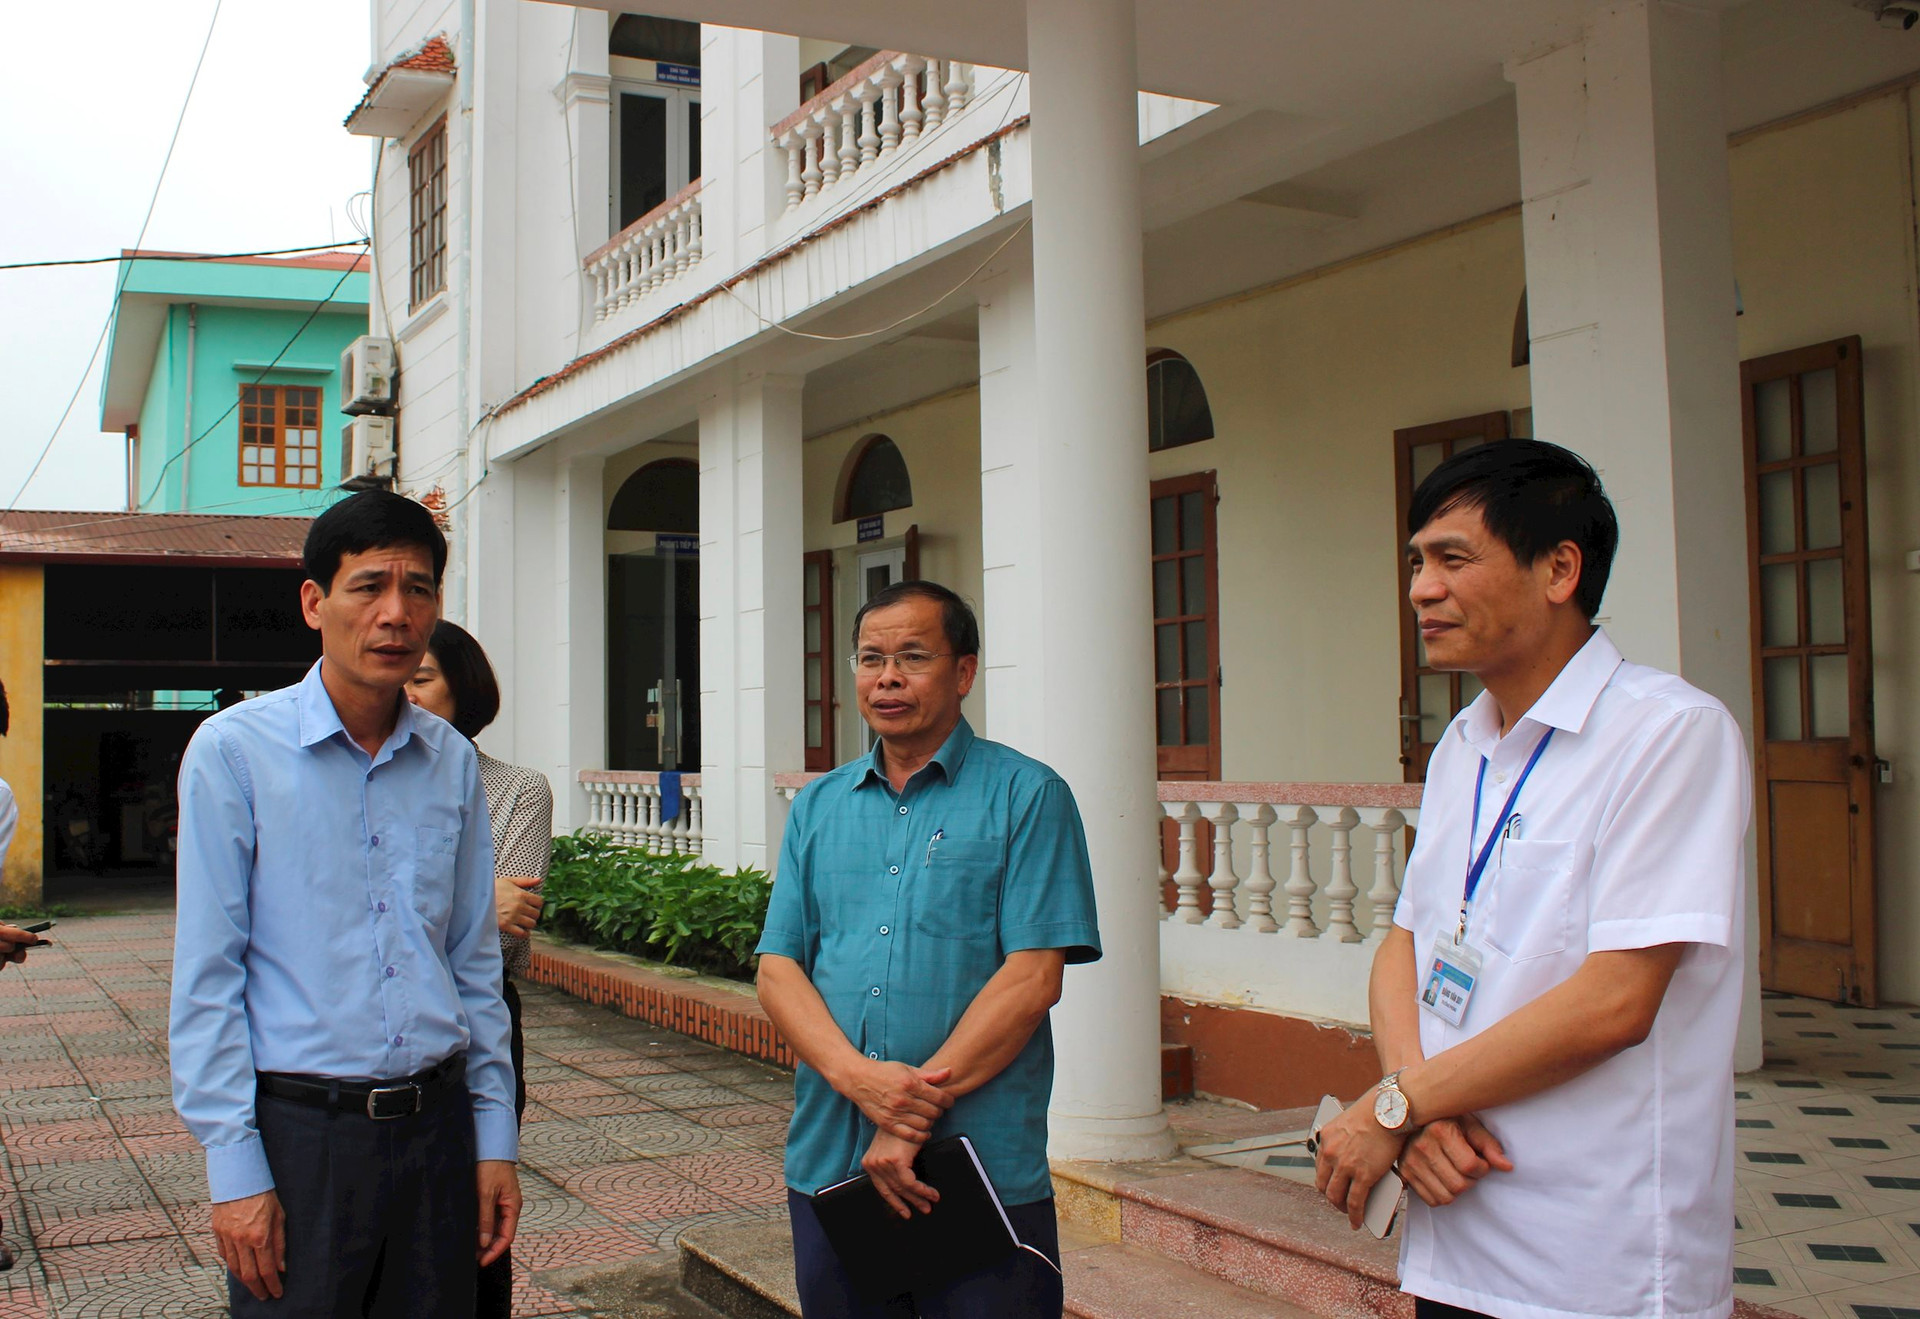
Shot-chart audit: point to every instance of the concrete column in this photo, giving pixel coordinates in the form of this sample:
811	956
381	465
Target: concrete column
1089	682
580	600
1010	507
751	695
752	81
1630	299
586	91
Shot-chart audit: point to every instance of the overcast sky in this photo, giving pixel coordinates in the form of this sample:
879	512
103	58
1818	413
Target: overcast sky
90	93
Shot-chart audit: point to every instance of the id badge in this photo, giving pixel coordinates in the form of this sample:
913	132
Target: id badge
1450	978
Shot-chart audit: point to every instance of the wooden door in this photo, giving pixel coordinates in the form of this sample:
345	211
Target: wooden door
1812	670
816	611
1429	697
1186	627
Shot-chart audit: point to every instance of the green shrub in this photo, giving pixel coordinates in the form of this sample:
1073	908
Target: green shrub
672	908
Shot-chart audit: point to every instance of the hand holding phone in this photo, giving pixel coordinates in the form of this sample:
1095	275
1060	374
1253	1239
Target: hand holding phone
1383	1201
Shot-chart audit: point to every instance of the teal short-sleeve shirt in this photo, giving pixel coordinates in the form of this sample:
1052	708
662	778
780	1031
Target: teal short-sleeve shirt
900	907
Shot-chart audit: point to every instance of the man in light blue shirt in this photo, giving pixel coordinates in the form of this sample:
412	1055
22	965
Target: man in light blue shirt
928	900
338	1037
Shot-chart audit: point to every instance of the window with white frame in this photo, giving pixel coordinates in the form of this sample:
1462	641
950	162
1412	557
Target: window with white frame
655	115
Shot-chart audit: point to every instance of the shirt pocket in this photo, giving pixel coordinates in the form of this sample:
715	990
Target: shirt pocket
434	852
1533	898
960	898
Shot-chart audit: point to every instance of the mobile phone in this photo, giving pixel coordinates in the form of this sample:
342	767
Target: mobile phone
40	928
1383	1201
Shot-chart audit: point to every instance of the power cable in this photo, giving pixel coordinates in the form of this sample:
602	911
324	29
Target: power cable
136	254
121	285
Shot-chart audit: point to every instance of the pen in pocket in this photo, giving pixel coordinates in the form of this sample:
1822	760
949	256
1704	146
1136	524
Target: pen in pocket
938	834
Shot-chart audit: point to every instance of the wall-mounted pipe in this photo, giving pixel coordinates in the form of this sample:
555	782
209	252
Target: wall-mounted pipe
186	423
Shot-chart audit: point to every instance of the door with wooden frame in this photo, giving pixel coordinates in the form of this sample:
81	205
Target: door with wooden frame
1186	645
1814	764
816	613
1429	697
1186	626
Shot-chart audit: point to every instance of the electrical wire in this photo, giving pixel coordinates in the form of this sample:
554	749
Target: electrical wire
892	325
181	256
232	407
121	285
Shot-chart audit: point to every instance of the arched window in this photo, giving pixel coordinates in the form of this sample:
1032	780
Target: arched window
874	480
662	496
1177	411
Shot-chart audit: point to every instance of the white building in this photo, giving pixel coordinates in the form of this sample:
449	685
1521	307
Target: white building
675	306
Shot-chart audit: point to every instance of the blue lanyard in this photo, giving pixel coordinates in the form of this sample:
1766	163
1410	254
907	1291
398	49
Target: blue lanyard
1478	865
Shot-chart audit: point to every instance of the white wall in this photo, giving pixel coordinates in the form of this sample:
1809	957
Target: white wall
940	441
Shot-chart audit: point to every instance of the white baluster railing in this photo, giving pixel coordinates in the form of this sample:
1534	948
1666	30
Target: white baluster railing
653	251
625	805
857	125
1213	936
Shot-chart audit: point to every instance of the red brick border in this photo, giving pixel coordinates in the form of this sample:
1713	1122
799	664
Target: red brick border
732	1021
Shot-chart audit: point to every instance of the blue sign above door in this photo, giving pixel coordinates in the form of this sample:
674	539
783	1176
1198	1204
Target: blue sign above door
873	528
684	75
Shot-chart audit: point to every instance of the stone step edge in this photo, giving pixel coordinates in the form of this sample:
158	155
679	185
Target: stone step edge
731	1287
729	1019
1090	1196
1377	1262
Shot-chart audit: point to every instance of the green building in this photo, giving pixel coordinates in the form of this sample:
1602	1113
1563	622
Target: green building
224	375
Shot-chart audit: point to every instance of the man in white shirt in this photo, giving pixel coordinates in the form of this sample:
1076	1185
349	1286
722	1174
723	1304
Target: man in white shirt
1562	1108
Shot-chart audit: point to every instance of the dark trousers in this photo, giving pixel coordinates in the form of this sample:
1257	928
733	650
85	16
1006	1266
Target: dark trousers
494	1299
1426	1309
1018	1287
381	1215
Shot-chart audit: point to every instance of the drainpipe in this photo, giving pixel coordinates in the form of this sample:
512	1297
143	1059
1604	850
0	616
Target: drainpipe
458	595
186	453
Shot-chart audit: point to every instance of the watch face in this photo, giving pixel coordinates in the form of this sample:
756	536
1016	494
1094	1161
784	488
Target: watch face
1390	1109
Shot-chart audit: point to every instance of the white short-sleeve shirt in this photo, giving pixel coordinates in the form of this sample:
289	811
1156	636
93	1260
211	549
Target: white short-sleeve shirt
9	819
1631	834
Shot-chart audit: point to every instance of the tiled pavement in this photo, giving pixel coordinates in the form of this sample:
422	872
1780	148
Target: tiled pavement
1827	1190
632	1134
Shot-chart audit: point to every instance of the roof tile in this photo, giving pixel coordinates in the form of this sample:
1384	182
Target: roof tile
27	535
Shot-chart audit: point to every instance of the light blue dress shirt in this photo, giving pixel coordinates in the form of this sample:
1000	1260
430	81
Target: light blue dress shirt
335	918
900	907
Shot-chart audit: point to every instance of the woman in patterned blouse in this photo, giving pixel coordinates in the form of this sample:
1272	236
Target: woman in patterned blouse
455	682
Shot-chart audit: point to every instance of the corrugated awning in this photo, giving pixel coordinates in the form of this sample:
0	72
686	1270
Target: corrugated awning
202	539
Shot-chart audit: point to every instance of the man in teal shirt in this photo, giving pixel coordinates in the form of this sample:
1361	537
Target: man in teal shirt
928	899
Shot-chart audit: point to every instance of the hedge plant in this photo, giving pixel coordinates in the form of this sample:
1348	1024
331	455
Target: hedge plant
674	908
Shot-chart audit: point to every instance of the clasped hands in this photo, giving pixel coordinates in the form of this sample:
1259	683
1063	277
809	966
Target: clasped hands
1439	1162
903	1102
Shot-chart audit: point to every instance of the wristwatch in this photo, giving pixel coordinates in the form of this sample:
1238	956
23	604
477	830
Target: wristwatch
1390	1107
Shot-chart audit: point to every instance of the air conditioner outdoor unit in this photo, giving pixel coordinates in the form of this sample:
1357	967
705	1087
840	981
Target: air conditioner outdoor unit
368	445
366	376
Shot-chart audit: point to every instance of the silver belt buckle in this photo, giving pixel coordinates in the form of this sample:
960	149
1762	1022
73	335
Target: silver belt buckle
374	1097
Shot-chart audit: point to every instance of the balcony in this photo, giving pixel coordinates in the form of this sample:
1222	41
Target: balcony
858	126
648	255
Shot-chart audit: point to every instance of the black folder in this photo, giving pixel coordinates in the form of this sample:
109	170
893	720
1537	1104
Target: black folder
885	1254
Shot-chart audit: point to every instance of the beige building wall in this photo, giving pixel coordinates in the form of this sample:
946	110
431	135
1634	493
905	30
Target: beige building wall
1308	383
940	441
23	614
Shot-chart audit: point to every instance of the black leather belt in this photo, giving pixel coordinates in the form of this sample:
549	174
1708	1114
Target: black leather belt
380	1100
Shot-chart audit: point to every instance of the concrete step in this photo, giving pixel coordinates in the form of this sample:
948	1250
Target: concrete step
743	1271
1113	1281
1270	1241
1258	1233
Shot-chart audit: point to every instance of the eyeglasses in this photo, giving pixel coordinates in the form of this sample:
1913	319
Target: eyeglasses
909	662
